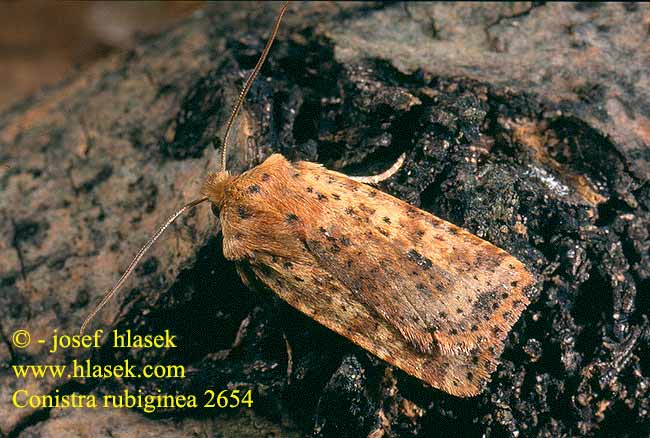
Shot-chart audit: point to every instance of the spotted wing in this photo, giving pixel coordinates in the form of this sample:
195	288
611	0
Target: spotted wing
414	290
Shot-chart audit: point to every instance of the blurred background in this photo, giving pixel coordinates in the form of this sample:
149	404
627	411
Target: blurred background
41	42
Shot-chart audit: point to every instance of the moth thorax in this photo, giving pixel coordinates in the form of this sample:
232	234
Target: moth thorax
215	186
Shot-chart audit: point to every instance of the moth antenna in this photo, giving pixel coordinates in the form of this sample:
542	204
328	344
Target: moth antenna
111	293
249	82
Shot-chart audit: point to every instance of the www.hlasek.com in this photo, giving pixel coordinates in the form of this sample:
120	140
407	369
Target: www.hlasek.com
24	398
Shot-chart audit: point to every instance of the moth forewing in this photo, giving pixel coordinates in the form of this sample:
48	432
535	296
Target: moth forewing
413	289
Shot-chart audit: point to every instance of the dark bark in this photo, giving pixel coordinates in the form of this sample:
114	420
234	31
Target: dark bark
533	132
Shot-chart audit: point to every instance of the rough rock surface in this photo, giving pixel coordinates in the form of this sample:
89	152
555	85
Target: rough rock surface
532	131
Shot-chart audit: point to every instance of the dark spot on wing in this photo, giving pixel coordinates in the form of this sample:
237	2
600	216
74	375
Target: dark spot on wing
327	235
310	189
386	219
321	197
335	196
489	260
345	241
366	209
484	302
419	259
253	188
266	177
291	218
243	212
287	265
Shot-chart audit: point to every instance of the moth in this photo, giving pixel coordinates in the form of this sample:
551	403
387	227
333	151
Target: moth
416	291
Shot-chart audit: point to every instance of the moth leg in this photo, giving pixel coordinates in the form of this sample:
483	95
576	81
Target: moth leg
289	358
247	277
376	179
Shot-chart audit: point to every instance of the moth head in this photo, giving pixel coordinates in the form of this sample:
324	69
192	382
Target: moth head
214	187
